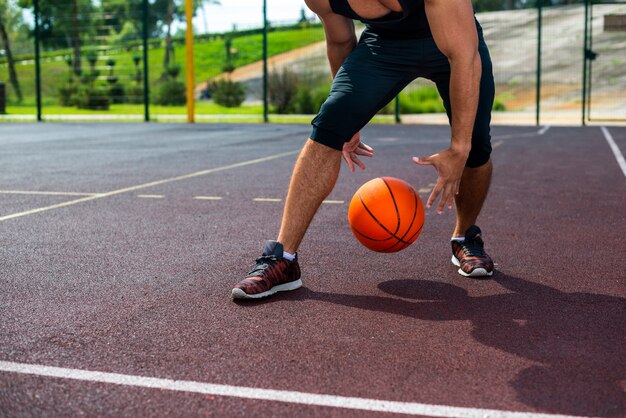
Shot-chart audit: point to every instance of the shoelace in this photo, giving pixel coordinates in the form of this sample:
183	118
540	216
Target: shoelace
262	263
473	248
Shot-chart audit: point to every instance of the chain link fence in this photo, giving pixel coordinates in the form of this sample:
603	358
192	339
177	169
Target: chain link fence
111	60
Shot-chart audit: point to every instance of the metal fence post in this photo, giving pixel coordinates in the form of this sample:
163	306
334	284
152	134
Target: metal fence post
146	84
265	103
538	76
37	61
397	109
585	61
191	105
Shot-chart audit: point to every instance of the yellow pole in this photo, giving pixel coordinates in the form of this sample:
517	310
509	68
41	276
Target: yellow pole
189	62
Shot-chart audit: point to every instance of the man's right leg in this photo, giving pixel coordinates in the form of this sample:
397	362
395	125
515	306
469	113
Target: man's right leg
366	82
313	178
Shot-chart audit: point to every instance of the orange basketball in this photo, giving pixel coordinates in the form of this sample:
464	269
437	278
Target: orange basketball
386	214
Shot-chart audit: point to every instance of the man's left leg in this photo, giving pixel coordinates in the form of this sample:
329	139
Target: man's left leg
468	251
472	194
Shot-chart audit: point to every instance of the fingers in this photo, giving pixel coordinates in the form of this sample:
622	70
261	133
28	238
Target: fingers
358	162
366	147
348	159
423	160
433	195
364	153
445	192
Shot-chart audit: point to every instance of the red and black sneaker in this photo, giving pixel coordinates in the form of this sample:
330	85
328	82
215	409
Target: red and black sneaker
272	273
470	256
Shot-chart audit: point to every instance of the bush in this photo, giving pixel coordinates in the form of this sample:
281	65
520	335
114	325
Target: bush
303	102
308	101
172	71
282	90
116	93
67	95
419	100
134	94
170	93
93	98
228	93
498	106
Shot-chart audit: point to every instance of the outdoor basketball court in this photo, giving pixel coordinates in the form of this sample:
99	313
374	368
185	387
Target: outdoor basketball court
120	244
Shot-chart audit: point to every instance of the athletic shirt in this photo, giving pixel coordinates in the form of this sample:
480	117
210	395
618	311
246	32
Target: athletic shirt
410	23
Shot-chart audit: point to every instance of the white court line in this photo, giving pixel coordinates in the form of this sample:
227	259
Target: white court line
543	130
616	151
496	144
302	398
267	199
150	196
333	202
207	198
146	185
48	193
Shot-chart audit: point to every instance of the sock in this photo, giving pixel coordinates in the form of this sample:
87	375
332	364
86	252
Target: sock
289	256
457	239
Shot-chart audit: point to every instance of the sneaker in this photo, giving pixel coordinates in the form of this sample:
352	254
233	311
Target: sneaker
272	273
470	255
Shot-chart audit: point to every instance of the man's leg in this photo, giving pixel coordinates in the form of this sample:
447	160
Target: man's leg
472	193
314	177
467	245
365	83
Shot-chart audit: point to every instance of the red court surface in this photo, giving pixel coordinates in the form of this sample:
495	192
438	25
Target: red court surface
120	245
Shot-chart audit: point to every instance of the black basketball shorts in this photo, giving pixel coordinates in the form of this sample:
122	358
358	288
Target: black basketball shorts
377	70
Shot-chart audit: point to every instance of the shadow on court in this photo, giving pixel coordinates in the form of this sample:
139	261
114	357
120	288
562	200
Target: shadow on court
577	339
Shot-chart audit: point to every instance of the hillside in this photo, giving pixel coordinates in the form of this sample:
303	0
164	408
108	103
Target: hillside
512	40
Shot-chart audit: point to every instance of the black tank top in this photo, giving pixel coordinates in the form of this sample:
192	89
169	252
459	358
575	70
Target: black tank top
410	23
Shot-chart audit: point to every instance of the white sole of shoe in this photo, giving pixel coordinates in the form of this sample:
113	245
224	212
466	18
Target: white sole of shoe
479	272
240	294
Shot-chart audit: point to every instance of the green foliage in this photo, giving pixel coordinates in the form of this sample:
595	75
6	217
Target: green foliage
169	92
308	101
67	94
172	71
117	93
134	94
93	98
417	100
282	89
303	101
498	106
228	93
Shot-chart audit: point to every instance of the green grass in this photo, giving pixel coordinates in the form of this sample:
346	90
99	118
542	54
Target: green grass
138	109
209	58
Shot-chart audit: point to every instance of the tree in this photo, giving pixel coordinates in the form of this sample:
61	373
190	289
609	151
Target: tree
173	12
63	25
8	19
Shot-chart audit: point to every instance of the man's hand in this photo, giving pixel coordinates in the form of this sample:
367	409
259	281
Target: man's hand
449	165
353	148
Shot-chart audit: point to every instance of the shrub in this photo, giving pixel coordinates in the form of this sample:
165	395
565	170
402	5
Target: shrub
116	93
67	95
134	94
303	102
171	71
309	101
419	100
282	90
93	98
170	93
228	93
498	106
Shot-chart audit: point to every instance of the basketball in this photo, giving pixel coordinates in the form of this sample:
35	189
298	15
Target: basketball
386	214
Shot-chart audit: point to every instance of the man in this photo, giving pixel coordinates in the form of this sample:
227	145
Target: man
404	39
